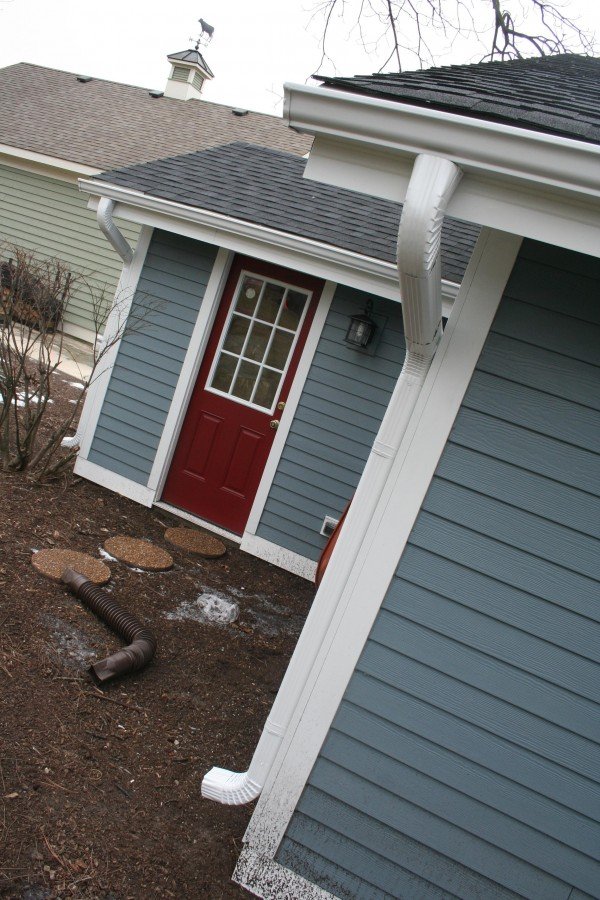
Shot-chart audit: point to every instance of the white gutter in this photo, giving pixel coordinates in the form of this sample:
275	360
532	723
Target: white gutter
431	186
225	231
111	232
474	144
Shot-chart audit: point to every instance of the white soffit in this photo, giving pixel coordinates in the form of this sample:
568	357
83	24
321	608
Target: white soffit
524	182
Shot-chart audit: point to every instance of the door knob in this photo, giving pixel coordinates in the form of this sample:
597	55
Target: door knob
274	424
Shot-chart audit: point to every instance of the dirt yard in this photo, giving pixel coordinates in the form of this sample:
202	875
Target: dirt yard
100	789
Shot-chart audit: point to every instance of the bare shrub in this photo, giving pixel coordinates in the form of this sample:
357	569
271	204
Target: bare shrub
34	294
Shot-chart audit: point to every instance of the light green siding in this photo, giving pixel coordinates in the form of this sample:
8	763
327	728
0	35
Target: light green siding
51	217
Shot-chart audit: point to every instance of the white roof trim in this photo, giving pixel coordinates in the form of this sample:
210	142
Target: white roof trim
312	257
43	159
473	144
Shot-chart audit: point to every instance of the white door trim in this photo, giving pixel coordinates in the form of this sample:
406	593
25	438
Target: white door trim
285	423
187	380
400	502
117	318
189	370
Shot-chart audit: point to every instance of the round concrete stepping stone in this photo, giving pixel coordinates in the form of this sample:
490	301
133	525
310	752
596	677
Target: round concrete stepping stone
52	563
194	541
139	554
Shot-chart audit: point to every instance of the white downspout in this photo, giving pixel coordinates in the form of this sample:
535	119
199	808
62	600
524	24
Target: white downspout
110	231
431	186
104	216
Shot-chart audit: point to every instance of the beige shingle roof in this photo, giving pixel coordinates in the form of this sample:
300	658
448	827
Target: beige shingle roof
104	124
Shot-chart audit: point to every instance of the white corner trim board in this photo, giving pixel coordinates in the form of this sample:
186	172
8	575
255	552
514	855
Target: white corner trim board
189	370
117	483
113	332
432	183
375	564
285	423
279	556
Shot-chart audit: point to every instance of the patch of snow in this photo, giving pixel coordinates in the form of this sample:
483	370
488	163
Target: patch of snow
20	400
71	644
34	550
106	555
73	401
207	608
77	384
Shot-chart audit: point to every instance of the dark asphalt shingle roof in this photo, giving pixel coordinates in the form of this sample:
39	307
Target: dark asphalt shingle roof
554	94
266	187
104	124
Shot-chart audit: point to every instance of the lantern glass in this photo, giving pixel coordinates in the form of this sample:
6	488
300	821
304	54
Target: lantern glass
360	331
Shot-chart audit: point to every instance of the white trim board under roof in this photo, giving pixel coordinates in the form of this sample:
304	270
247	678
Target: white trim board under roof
538	185
320	260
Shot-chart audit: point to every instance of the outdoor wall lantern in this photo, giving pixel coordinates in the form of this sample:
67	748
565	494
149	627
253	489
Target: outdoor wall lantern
362	328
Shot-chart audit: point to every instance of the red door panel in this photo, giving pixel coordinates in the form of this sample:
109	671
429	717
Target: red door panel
245	377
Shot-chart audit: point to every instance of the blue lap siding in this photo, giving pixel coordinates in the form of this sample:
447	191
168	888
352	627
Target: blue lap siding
341	408
142	383
464	758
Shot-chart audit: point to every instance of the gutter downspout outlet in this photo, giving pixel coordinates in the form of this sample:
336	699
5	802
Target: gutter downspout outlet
432	184
110	231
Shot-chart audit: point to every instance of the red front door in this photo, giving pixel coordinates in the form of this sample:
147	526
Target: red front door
242	386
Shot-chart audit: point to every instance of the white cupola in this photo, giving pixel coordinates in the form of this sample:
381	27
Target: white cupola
189	71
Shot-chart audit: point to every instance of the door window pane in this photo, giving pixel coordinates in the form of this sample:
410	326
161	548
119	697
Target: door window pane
236	335
245	381
280	348
267	388
248	295
292	310
270	303
258	341
224	372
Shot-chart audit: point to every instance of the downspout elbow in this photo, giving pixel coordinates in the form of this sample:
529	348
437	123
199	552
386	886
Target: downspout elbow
431	187
229	788
110	231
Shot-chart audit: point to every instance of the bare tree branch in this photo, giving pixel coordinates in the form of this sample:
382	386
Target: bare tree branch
503	29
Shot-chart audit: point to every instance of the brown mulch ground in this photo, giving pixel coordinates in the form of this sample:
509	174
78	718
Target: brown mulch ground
100	790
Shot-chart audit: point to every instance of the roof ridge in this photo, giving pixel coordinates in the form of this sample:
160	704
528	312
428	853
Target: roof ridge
137	87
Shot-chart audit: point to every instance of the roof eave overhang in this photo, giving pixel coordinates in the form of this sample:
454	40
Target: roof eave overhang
552	180
44	163
305	255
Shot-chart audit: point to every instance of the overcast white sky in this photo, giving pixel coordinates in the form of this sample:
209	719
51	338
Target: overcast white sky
257	44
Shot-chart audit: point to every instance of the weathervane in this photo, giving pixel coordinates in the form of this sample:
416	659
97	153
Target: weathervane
205	36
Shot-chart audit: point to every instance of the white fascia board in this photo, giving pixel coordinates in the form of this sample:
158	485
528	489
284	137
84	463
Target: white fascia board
473	144
16	156
320	260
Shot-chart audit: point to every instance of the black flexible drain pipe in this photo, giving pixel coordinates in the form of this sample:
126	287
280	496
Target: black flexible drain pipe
142	643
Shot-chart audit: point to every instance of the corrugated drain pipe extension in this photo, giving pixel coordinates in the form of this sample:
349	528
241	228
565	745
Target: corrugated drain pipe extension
432	183
142	643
